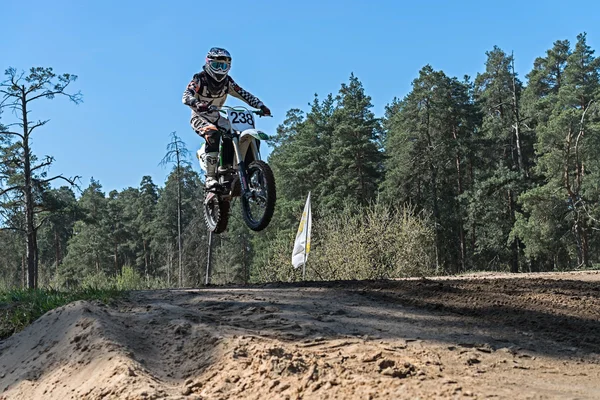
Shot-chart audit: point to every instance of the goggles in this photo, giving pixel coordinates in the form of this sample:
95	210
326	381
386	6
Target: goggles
219	65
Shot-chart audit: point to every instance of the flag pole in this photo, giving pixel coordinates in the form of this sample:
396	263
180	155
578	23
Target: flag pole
308	215
305	245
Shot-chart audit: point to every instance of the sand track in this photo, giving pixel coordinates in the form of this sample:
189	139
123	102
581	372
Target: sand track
484	336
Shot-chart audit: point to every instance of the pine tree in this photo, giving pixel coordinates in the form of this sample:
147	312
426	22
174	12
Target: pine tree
428	145
12	260
146	209
90	250
540	224
117	221
61	211
182	186
567	145
355	160
299	159
178	154
506	160
28	178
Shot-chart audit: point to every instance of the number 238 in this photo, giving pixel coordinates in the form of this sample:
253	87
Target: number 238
242	118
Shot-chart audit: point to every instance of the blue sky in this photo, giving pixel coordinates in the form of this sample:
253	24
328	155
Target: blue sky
135	58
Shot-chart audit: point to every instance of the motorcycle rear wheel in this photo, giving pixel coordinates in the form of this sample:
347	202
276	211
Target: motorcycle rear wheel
216	213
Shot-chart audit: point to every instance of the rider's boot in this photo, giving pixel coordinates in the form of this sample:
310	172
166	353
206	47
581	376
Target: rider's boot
211	170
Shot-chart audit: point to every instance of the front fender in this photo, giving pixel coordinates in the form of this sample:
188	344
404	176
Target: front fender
247	137
255	133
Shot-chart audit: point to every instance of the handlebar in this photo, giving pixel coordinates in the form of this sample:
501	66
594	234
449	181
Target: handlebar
223	109
260	113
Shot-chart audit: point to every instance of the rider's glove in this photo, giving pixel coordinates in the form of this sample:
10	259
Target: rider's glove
201	107
265	110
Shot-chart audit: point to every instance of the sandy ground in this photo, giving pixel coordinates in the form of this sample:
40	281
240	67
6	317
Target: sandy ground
479	336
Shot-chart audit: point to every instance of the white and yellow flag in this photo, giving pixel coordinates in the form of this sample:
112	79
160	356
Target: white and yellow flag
302	243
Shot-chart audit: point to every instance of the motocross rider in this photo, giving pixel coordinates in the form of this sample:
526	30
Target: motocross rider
210	87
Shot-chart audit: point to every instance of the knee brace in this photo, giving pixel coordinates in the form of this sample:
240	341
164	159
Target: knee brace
212	137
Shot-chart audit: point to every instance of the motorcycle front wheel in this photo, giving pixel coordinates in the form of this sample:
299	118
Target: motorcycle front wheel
258	204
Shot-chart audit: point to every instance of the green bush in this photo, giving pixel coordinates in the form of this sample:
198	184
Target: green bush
154	282
130	279
19	308
275	263
98	281
374	242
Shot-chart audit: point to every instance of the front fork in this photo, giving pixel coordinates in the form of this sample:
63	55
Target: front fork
241	165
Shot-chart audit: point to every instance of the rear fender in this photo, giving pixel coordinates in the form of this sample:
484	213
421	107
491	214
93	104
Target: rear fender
209	197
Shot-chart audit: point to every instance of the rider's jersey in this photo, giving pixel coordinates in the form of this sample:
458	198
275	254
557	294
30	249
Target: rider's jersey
198	91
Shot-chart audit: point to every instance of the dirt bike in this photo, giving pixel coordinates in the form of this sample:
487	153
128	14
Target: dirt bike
240	173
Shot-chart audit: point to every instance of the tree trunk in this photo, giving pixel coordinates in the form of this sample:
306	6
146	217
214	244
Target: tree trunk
145	259
23	272
461	233
29	204
474	221
115	246
585	248
169	263
179	244
514	262
517	125
226	263
436	213
361	179
60	251
180	280
433	182
580	226
30	255
56	248
35	260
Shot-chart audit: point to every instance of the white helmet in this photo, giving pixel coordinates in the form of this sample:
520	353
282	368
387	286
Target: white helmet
218	63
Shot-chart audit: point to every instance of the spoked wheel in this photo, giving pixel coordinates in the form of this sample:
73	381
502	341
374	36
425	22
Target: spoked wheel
258	204
216	213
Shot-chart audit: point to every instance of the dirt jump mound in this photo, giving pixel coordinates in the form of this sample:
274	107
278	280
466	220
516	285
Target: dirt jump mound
525	337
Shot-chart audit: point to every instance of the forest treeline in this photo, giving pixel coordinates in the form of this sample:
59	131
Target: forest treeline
495	173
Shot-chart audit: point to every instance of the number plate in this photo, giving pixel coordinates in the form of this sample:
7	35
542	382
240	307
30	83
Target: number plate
241	120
